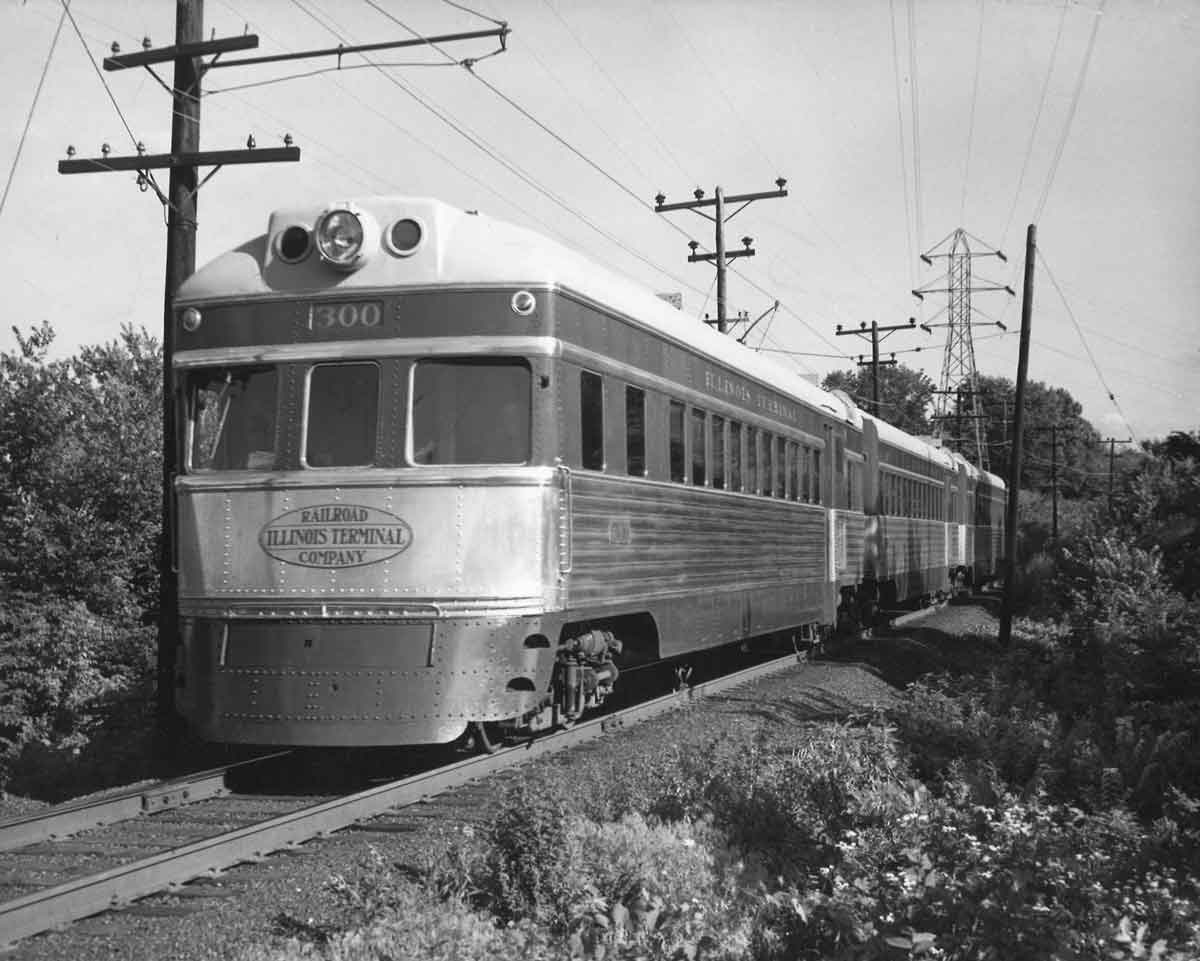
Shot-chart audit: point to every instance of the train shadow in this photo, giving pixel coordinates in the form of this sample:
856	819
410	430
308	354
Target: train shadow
959	640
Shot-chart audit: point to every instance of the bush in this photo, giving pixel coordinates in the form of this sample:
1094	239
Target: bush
65	675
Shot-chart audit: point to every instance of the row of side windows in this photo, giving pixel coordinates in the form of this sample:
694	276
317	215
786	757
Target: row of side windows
729	455
724	454
910	497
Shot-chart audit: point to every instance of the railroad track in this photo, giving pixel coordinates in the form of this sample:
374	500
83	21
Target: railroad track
55	905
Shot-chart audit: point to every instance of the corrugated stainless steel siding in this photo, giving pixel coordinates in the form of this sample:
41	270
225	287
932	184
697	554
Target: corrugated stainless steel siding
640	540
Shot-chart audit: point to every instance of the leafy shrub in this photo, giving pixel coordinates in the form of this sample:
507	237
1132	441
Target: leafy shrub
527	869
64	675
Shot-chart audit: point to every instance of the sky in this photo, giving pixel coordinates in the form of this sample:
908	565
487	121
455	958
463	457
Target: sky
895	123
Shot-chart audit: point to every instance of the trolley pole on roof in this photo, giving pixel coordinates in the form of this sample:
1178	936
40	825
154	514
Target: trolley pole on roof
721	256
1014	467
872	333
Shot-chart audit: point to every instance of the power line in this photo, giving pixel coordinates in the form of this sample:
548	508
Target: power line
912	258
1083	340
962	212
95	66
1062	143
1062	18
916	117
481	144
37	93
621	93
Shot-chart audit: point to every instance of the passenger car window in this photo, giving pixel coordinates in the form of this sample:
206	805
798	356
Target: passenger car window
591	420
698	462
342	415
716	425
471	410
231	413
676	417
635	431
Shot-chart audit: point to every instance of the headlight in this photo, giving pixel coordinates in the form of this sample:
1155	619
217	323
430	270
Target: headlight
341	235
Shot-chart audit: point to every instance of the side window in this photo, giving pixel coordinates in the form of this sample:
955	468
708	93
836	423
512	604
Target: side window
591	420
698	417
635	431
767	481
777	473
805	468
751	460
735	456
816	489
716	434
675	421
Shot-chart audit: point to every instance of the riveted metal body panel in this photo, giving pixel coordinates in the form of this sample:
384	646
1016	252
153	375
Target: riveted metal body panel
712	566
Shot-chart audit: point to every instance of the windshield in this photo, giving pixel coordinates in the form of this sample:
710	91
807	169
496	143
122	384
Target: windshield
232	414
471	411
343	415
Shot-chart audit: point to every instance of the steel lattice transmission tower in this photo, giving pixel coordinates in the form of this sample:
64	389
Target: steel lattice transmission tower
958	390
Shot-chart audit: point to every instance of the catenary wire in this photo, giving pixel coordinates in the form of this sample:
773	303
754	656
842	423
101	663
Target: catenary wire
520	173
1083	340
37	93
670	154
624	189
1037	117
1075	97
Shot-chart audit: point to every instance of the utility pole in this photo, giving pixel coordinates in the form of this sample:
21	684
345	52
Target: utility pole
1112	443
1053	428
720	257
1018	436
959	375
180	201
872	333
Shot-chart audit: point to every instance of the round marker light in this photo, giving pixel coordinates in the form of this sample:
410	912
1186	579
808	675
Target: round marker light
190	319
523	303
294	244
340	237
405	237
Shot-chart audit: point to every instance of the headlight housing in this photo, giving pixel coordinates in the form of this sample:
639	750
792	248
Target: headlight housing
344	236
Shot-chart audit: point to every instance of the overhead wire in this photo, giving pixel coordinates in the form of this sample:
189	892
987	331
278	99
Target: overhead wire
908	227
1037	117
1083	340
624	188
485	147
915	99
706	64
667	151
559	85
92	60
962	212
1075	97
37	93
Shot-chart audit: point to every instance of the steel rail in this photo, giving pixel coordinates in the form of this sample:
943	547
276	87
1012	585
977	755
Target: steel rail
73	900
64	820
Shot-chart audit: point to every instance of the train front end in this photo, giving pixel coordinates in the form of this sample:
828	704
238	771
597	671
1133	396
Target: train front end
367	521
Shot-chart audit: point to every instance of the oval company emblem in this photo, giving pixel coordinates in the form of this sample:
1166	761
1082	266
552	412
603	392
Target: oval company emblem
335	536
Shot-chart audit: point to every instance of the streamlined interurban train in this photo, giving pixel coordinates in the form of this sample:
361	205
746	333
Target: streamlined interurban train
438	472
